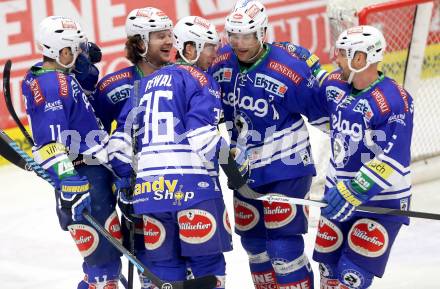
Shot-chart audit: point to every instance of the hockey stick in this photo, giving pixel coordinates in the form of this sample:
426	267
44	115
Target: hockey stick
8	100
235	178
206	282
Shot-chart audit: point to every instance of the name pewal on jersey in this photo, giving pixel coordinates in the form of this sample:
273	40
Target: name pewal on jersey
178	140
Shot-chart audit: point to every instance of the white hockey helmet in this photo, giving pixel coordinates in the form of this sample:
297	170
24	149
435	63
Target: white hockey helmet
366	39
142	21
58	32
194	29
247	17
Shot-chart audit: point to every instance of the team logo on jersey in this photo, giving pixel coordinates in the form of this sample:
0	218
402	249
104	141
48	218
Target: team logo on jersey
36	92
286	71
196	226
224	74
226	222
154	233
85	237
277	215
246	215
113	227
381	101
329	237
334	93
53	106
119	93
364	108
270	84
114	78
353	278
397	118
368	238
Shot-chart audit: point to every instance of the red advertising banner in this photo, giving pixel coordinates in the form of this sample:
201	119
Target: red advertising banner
302	22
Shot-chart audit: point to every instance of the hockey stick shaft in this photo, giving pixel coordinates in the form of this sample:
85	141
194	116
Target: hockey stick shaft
8	100
207	282
238	181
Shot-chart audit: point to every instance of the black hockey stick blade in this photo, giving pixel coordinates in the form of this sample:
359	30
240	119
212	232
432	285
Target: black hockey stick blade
9	153
207	282
8	100
238	182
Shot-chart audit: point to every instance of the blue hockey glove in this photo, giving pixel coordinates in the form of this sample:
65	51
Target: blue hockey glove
342	201
122	190
73	199
241	158
95	54
86	73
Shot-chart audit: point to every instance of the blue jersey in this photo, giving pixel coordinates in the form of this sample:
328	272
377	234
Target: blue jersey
112	92
59	112
264	102
371	134
178	141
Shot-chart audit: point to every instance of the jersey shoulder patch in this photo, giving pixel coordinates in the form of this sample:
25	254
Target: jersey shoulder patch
114	77
197	74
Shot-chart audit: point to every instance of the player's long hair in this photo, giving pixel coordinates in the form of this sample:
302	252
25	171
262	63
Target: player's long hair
134	47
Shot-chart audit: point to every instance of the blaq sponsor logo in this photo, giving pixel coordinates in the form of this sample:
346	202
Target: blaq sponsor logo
196	226
246	215
368	238
113	226
154	233
277	215
270	84
85	237
329	237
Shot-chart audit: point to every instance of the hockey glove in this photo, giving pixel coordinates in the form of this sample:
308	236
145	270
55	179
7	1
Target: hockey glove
86	73
74	198
240	155
342	201
122	189
302	53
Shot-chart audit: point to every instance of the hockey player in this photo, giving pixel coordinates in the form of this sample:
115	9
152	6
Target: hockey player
371	128
70	145
148	47
262	90
177	188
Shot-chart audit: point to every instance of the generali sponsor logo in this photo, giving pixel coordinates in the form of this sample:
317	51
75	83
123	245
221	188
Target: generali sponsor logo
198	75
368	238
36	92
113	78
381	101
284	70
62	82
